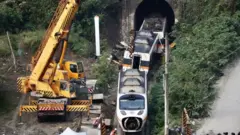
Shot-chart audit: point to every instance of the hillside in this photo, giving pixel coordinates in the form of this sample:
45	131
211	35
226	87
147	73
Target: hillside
207	38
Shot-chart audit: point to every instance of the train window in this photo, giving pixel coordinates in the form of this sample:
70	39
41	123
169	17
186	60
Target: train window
63	86
127	61
145	63
73	68
132	102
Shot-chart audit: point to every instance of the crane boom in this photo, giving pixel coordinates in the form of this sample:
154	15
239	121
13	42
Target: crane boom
60	22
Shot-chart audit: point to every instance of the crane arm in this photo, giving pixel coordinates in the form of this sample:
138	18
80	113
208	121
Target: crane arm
57	31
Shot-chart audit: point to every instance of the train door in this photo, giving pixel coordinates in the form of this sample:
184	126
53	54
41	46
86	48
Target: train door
136	61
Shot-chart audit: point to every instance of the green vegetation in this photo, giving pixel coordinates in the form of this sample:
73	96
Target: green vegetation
27	19
105	72
206	42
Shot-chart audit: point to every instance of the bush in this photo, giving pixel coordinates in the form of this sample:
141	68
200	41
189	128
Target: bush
84	47
4	47
10	19
18	16
105	72
31	39
83	30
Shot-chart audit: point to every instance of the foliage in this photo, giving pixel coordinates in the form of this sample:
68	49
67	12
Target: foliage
105	72
193	11
31	39
18	16
83	27
37	13
84	47
4	47
10	19
203	50
26	40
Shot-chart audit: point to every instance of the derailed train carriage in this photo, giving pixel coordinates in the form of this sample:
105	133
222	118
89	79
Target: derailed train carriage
146	45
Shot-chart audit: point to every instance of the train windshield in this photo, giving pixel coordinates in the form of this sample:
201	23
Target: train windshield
132	102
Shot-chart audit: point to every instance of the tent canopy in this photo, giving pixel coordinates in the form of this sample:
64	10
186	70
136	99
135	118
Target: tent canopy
69	131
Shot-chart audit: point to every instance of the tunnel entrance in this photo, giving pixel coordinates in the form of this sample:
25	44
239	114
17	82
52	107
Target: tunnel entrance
148	8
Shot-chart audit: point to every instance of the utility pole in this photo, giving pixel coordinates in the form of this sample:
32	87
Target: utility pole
97	35
165	79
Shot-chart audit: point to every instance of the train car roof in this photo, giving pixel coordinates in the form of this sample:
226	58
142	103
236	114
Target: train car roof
132	80
132	89
144	41
131	72
145	33
140	78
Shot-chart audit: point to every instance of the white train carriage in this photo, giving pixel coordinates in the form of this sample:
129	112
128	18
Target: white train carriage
132	104
146	43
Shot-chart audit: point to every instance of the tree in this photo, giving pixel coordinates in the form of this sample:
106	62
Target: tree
105	72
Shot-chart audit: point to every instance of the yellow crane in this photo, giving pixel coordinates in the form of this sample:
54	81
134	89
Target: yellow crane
54	84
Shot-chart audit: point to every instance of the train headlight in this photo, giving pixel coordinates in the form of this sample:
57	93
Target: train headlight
123	112
140	112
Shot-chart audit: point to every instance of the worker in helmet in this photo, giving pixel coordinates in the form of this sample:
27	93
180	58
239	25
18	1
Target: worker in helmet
114	131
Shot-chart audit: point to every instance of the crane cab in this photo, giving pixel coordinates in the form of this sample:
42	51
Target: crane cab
75	70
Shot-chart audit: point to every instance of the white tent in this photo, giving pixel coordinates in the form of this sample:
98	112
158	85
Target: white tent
69	131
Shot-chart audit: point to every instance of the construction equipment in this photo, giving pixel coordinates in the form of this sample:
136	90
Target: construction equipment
55	84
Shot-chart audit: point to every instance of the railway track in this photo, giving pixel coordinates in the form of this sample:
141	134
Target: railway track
151	26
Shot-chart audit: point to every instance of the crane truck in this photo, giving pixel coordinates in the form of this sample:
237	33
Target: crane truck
55	84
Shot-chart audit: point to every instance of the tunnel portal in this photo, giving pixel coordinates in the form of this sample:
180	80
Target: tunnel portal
152	7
